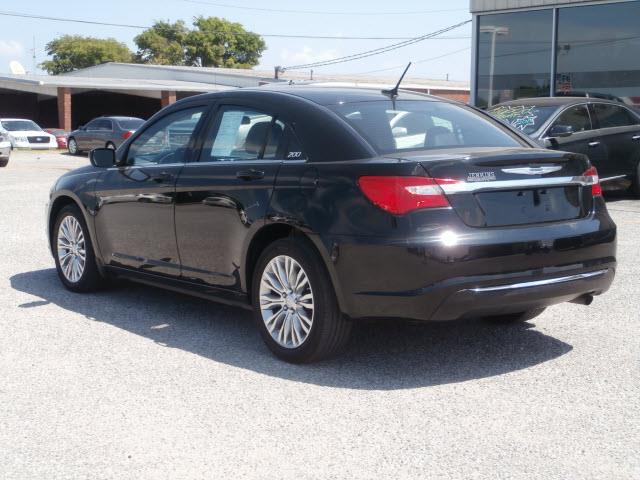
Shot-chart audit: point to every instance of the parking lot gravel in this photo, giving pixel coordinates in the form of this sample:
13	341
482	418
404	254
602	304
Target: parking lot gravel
135	382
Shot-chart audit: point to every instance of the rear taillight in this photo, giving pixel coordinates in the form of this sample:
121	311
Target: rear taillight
400	195
591	175
127	134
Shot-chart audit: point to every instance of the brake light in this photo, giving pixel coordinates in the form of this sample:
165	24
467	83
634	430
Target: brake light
127	134
593	179
400	195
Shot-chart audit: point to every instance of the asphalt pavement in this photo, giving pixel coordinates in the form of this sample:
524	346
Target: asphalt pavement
135	382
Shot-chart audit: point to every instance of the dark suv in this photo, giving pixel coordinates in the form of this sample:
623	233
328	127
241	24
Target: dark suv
107	132
316	207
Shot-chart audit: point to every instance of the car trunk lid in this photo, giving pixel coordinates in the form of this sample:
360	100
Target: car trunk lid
493	187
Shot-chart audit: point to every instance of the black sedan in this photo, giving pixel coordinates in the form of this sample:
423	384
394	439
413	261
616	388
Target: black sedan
608	132
320	206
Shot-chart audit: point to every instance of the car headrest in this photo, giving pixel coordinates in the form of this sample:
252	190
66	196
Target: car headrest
256	137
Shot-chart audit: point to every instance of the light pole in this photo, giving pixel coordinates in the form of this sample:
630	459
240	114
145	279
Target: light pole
494	31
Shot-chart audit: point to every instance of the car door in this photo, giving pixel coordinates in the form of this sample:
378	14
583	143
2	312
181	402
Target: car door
134	220
620	132
584	139
103	133
84	137
224	196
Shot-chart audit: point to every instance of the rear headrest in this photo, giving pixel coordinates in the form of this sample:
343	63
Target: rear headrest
256	137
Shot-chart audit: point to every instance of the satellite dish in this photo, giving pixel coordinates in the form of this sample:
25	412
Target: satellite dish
17	68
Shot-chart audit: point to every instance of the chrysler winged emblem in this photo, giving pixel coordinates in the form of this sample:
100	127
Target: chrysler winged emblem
533	170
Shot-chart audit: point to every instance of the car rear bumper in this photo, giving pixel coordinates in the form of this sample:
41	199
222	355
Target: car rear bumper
522	296
488	272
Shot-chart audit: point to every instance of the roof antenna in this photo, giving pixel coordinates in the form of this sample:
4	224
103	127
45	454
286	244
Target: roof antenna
393	93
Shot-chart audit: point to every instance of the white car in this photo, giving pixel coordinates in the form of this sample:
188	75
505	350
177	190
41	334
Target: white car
24	133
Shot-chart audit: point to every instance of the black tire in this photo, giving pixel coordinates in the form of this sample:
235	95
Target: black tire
514	317
4	162
72	146
110	145
91	279
329	330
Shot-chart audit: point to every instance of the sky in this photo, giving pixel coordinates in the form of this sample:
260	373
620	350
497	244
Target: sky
373	18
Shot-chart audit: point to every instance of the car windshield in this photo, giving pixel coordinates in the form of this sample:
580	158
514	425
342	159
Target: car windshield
130	123
422	125
19	125
526	118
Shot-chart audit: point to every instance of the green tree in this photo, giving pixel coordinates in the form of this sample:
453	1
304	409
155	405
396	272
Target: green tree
71	52
162	44
213	42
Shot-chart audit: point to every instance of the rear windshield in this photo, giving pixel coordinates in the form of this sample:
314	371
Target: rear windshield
526	118
422	125
18	125
130	124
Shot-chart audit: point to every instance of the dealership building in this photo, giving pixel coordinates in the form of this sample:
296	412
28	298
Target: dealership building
541	48
72	99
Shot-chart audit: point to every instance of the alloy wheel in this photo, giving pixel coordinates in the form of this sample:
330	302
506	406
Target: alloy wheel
73	147
286	301
72	254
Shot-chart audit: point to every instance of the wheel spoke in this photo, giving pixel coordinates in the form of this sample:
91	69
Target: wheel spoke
72	252
286	301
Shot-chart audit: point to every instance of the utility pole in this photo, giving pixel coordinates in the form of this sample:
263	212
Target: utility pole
277	70
33	56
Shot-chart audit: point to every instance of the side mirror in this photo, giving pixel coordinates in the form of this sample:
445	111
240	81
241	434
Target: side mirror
102	157
561	131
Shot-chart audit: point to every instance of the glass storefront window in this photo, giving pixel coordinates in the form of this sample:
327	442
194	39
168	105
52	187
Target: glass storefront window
514	56
599	51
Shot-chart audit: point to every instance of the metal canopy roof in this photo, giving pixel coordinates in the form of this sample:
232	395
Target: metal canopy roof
48	84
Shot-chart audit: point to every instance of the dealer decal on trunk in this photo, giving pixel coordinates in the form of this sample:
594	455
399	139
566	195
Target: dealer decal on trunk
481	176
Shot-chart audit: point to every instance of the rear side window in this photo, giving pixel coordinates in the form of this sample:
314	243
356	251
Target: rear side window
421	125
130	124
244	134
576	117
610	116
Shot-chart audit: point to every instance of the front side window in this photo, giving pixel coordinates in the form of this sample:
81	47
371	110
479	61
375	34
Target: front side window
421	125
610	116
166	141
575	117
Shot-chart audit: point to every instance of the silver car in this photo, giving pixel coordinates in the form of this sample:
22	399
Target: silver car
107	132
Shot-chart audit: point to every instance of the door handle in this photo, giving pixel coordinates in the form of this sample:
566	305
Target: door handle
161	177
635	137
593	144
251	174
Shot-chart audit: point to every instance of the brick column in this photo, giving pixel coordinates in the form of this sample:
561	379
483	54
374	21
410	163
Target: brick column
168	97
64	108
